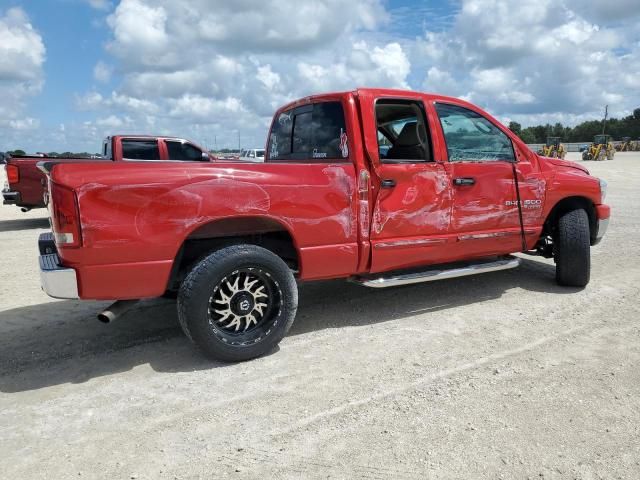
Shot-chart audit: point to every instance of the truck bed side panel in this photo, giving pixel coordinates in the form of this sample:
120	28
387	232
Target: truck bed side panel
137	213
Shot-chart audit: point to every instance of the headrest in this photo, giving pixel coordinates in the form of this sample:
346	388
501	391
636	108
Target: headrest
409	135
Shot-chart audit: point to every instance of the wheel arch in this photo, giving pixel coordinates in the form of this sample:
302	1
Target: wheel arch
267	232
572	203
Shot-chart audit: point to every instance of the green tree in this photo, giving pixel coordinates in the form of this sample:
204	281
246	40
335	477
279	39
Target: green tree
515	127
527	136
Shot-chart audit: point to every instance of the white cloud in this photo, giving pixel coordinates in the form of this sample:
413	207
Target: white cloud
112	121
267	77
99	4
22	54
213	68
141	28
534	58
102	72
26	123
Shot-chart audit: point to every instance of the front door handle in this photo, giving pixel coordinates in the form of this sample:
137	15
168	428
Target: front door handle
389	183
464	181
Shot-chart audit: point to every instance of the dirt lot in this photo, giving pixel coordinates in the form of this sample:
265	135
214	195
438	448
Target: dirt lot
504	375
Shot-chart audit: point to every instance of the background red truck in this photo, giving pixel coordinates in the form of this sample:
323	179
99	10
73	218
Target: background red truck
382	187
26	184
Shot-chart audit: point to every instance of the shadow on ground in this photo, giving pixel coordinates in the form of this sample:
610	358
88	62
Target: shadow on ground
62	342
23	224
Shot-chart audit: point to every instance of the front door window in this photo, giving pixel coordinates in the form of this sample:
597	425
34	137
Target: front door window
471	137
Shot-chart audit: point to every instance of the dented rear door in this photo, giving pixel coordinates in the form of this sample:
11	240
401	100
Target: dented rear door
411	197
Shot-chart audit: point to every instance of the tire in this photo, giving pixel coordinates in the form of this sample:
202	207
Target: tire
238	303
572	249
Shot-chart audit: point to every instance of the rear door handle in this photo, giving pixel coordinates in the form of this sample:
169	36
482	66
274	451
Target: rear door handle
464	181
389	183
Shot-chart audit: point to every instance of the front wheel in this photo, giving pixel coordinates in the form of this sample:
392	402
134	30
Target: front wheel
238	303
572	249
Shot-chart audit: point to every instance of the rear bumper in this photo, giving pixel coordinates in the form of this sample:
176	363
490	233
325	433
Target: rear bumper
10	198
56	281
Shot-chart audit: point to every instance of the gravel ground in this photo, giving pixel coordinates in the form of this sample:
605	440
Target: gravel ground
502	375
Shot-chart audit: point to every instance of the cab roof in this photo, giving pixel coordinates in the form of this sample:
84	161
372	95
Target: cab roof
385	92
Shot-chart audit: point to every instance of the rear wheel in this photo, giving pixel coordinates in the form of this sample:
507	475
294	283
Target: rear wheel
238	303
572	249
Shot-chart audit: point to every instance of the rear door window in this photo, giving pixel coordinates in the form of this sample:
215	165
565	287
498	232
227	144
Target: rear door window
140	149
183	151
402	131
311	133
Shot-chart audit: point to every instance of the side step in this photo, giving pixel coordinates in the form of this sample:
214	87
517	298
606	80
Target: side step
473	268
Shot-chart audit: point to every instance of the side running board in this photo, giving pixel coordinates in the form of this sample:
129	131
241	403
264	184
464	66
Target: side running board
472	268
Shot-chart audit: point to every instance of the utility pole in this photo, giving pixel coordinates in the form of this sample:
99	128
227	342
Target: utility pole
239	149
606	112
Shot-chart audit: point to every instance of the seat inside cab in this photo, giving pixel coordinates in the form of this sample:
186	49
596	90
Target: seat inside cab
402	132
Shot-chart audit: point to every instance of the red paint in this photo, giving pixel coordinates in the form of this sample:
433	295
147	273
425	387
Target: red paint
134	220
30	182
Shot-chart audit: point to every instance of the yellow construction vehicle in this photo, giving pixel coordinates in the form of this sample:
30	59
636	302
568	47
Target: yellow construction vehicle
553	148
600	149
625	145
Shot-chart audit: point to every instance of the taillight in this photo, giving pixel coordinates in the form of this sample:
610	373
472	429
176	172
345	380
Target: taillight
13	174
65	218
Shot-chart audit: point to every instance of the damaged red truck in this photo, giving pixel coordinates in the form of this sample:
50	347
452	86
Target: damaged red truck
382	187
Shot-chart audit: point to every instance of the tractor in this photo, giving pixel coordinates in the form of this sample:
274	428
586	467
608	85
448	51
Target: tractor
553	148
600	149
625	145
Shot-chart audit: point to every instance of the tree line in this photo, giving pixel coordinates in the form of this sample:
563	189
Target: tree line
583	132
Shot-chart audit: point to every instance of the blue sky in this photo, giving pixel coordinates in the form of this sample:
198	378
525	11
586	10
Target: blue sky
72	71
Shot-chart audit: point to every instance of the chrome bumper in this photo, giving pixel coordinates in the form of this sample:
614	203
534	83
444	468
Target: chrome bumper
10	198
57	281
602	229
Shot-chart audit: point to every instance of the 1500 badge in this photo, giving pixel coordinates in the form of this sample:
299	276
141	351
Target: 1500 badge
525	203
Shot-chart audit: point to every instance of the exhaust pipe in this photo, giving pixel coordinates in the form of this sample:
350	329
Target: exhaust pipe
115	310
25	209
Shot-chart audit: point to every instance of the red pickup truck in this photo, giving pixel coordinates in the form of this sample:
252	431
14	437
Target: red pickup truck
26	184
455	194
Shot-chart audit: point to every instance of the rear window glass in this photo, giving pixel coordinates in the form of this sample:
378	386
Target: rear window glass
312	132
140	150
183	151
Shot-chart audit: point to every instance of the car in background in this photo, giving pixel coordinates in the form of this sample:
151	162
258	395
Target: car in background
26	184
252	155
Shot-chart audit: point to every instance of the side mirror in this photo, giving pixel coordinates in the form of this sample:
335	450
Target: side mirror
205	156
